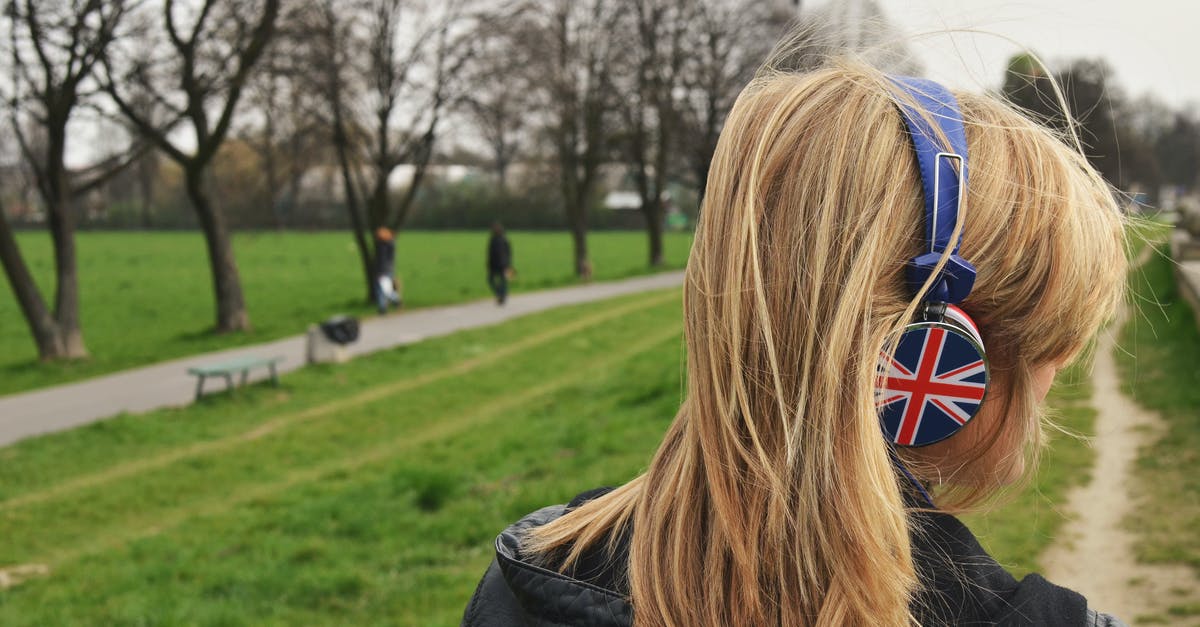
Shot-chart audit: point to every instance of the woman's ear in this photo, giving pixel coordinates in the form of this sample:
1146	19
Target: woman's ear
1043	379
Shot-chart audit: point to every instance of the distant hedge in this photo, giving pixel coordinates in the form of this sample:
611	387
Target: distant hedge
471	203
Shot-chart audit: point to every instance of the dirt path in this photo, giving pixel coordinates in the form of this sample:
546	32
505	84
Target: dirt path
1094	555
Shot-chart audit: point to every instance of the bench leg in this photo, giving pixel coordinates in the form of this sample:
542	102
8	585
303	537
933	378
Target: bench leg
243	381
274	376
199	387
229	382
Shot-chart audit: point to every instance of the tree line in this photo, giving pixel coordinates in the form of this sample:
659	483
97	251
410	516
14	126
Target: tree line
363	86
241	99
1139	144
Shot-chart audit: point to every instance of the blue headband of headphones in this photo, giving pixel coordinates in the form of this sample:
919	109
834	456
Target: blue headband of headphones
944	186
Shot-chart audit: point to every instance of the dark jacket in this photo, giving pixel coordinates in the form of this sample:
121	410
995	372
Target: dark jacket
964	585
499	253
385	257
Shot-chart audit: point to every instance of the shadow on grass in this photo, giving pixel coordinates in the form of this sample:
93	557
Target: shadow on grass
430	488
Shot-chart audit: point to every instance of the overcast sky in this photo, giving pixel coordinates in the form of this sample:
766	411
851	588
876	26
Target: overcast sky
1152	45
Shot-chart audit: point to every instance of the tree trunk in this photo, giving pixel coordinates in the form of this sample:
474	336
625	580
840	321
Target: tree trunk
662	155
60	218
378	210
50	343
231	307
368	266
575	203
708	146
577	221
377	202
700	171
63	339
583	267
61	221
652	208
653	213
358	226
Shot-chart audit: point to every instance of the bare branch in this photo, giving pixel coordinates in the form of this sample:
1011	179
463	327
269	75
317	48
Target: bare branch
246	61
101	173
147	129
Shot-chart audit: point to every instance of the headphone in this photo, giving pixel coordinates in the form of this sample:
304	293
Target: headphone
935	381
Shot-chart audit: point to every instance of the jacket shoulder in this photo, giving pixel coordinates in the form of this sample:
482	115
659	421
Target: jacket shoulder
519	591
493	603
965	585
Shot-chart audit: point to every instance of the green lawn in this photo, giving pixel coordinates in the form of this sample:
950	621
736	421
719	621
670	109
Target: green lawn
148	296
1160	361
365	493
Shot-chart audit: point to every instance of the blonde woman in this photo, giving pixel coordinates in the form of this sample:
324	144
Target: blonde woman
778	495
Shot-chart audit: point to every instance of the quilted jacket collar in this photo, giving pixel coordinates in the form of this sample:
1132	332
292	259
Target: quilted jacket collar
550	597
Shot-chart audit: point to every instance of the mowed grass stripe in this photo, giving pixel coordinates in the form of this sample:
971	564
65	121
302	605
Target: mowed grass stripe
324	410
346	549
357	460
38	529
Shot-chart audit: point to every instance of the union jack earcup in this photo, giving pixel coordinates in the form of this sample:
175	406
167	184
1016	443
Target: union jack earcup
935	382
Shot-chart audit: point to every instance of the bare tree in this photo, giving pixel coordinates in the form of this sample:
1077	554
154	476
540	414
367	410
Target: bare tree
727	40
54	48
498	103
285	128
266	95
1177	149
147	169
572	67
651	85
500	117
387	70
329	56
147	166
207	64
1095	110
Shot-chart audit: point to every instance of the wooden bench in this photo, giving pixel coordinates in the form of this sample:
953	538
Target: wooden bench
227	368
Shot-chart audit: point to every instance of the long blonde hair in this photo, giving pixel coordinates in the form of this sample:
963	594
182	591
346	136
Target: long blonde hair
772	500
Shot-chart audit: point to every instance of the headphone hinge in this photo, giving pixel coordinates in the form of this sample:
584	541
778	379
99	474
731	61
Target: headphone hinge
934	311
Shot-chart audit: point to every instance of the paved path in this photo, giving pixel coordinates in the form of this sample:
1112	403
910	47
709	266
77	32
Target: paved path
167	384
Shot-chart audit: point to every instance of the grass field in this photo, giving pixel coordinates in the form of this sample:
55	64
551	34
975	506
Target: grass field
349	496
148	296
1160	363
367	493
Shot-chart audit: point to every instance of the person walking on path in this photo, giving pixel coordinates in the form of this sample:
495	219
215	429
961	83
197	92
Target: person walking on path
386	292
499	263
840	412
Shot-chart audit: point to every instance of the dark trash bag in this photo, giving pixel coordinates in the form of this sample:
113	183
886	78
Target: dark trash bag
340	329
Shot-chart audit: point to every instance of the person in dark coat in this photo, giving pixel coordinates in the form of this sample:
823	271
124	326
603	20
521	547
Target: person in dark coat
386	292
499	263
781	494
